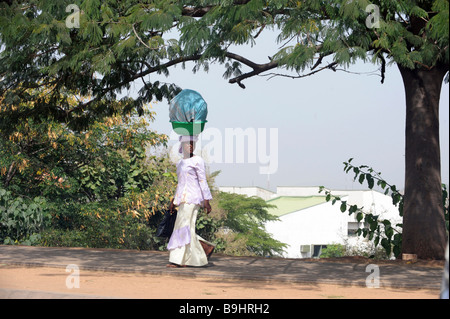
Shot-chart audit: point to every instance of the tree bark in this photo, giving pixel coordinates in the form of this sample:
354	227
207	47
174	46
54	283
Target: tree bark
10	175
424	232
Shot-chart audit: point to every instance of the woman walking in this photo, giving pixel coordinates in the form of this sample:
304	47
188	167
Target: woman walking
192	193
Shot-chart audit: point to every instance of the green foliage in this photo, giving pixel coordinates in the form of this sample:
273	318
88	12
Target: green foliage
377	230
100	226
98	60
368	174
102	187
119	42
380	231
244	223
106	162
333	251
21	220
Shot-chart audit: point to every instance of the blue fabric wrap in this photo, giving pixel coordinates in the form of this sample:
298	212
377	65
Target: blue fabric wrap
188	106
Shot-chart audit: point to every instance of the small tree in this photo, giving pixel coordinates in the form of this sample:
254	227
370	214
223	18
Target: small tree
242	221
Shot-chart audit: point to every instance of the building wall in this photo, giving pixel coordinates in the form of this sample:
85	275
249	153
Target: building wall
322	224
297	191
319	225
325	224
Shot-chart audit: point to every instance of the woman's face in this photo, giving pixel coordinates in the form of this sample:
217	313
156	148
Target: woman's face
188	147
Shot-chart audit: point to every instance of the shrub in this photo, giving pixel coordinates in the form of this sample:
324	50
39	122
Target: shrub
333	251
21	220
97	226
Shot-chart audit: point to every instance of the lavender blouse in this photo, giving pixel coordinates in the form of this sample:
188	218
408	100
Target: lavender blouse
192	186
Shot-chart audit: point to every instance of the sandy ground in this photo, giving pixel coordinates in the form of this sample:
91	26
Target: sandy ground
135	285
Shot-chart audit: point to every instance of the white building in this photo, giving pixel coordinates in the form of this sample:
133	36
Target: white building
308	222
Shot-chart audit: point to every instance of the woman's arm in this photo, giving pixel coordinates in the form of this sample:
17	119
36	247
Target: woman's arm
204	188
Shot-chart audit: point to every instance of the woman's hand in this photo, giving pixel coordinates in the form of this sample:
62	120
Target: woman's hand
171	206
207	206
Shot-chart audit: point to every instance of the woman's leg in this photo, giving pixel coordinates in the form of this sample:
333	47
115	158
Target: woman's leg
184	246
197	254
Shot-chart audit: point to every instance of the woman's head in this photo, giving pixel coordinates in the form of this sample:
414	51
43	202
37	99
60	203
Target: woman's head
188	147
188	144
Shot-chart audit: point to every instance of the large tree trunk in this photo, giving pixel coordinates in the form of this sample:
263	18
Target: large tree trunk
424	230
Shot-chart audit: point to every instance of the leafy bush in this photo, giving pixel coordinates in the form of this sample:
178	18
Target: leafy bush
21	220
99	226
332	251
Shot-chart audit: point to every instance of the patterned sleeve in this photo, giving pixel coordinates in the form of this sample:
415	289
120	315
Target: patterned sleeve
201	173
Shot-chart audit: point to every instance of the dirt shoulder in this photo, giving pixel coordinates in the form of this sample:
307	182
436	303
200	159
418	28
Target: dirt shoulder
138	285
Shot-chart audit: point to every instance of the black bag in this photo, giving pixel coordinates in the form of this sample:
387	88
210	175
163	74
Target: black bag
165	228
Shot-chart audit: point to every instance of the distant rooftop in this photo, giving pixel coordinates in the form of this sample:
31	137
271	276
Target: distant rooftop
290	204
289	199
290	191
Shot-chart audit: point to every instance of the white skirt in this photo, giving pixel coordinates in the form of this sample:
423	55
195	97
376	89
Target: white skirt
184	244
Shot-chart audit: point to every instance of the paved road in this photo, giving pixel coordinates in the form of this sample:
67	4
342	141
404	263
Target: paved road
221	267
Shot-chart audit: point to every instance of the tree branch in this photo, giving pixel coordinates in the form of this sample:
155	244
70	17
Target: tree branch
257	68
194	57
329	66
135	77
196	12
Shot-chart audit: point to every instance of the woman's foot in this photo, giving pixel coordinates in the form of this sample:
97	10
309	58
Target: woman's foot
207	248
209	255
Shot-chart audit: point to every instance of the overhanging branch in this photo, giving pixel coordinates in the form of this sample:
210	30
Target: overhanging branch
331	66
257	68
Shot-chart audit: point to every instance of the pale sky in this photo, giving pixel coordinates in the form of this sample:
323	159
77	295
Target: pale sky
322	121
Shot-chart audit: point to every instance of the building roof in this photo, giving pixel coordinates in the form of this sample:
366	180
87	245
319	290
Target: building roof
290	204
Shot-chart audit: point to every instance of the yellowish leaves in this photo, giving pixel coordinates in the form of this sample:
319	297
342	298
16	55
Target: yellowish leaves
22	165
121	241
141	206
144	121
112	121
16	137
52	179
51	135
313	26
134	213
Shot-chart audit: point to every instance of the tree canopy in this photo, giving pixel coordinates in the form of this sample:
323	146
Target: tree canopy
119	42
